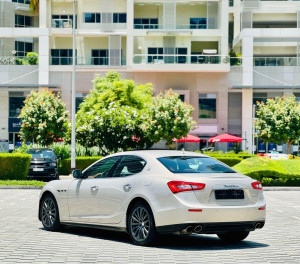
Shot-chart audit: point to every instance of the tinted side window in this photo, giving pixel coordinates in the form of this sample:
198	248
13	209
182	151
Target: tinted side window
129	165
101	169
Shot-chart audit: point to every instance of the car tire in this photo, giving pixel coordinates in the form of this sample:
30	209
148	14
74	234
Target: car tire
49	213
233	236
141	225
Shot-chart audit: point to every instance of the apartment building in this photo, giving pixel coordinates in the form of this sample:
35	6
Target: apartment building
181	44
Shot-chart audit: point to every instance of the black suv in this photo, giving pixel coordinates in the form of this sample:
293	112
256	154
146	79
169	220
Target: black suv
43	164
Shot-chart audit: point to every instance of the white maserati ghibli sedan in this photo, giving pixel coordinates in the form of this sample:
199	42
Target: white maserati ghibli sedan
151	192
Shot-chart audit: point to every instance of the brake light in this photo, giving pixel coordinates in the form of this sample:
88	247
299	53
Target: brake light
181	186
257	185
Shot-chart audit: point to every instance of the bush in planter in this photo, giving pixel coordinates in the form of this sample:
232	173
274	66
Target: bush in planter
262	167
32	58
81	164
14	166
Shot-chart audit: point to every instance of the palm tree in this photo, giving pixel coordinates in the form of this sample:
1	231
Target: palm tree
34	5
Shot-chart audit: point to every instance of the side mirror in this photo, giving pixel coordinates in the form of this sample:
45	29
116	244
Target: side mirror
77	174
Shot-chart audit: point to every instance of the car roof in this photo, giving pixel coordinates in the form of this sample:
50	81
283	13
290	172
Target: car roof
160	153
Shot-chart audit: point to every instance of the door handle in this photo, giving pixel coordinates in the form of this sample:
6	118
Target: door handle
95	188
127	187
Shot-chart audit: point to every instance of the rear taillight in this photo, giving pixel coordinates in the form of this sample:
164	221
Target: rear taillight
181	186
257	185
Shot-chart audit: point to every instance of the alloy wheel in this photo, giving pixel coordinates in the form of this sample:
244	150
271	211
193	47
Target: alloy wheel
49	212
140	224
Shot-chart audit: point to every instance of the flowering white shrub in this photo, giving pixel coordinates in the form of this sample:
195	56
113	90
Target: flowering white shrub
44	118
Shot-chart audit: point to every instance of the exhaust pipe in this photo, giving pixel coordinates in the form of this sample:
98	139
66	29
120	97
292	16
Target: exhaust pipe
188	230
198	228
258	225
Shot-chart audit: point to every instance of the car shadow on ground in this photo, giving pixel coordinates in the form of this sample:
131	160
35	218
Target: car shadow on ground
174	242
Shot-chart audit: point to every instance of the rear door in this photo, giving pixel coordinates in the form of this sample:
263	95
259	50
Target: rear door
114	191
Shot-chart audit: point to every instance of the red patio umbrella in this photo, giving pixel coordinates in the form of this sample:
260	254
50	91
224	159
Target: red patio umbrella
225	138
188	138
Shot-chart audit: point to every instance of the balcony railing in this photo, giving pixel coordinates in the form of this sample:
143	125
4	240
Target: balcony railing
88	61
276	61
267	61
179	26
179	59
61	23
191	26
148	26
12	60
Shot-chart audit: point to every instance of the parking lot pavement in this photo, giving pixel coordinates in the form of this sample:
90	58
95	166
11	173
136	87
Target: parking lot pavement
23	240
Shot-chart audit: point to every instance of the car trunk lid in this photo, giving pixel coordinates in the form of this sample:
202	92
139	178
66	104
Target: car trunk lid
222	189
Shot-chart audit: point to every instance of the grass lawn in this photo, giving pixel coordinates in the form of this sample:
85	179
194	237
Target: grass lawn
22	183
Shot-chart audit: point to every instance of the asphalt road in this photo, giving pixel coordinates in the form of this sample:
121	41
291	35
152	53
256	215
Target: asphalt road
23	239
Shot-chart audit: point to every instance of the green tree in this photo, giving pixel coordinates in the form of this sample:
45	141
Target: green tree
167	117
111	129
112	88
34	5
120	115
111	114
44	118
279	120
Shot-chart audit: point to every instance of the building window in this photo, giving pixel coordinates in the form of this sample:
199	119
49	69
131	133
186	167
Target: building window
22	1
207	105
15	105
119	18
182	97
61	56
22	48
259	97
99	57
198	23
297	97
23	21
79	99
146	23
92	17
63	21
167	51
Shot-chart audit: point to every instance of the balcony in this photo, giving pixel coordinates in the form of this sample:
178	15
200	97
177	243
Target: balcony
176	16
178	62
62	23
103	62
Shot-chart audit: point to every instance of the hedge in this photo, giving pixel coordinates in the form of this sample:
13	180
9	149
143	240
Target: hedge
14	166
230	161
262	167
280	182
81	164
214	154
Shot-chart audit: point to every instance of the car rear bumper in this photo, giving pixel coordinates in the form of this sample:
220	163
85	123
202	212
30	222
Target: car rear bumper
211	228
215	214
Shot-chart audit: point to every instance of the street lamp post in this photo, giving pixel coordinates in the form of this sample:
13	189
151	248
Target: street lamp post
253	129
73	112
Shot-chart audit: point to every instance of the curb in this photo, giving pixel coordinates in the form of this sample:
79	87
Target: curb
20	187
281	188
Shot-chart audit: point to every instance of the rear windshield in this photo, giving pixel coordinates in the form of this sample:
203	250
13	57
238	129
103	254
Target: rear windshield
41	154
194	164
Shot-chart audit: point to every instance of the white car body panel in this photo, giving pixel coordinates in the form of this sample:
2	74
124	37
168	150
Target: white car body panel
108	205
